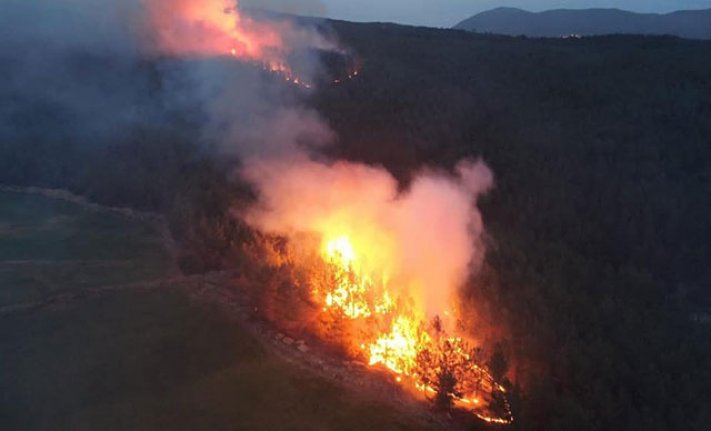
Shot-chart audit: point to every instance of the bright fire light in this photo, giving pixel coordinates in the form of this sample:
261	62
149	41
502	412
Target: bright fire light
404	346
218	28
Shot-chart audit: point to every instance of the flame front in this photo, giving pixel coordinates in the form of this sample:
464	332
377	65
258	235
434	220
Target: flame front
397	338
214	28
398	349
220	28
352	292
377	270
355	295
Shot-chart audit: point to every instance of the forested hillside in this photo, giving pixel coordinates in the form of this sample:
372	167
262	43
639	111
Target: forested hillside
602	143
599	227
600	217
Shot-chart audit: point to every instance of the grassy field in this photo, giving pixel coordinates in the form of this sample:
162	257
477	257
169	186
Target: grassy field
49	246
137	360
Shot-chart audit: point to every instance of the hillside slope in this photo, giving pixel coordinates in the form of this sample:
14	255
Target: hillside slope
598	224
599	227
108	343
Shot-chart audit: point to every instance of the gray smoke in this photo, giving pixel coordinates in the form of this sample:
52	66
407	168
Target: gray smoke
89	71
69	68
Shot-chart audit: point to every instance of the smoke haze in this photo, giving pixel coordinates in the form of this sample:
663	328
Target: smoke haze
86	62
69	69
99	69
425	239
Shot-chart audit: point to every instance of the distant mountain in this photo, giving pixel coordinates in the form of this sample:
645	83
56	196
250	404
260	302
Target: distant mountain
690	24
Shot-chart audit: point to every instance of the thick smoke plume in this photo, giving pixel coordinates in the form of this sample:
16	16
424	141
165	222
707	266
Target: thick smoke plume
372	264
85	59
425	240
91	66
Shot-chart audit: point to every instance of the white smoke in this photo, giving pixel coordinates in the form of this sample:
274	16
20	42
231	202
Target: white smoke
427	238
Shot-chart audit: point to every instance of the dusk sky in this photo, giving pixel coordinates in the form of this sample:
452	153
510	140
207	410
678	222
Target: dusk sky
445	13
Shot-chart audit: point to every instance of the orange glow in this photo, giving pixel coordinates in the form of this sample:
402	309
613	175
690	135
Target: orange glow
214	28
400	337
382	268
217	28
398	349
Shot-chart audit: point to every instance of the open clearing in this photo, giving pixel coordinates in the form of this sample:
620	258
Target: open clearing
136	359
51	246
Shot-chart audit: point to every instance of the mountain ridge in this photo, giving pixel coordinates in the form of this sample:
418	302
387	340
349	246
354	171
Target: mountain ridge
690	24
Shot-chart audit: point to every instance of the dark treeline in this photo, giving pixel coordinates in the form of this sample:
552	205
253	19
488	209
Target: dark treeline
599	225
600	222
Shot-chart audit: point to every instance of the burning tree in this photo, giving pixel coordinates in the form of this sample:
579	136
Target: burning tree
448	369
375	274
357	310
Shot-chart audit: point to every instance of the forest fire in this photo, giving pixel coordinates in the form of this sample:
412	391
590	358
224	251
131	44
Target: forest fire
394	336
381	268
215	28
220	28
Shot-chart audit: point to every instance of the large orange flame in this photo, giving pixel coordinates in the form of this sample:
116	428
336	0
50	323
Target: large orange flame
397	336
212	28
383	267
